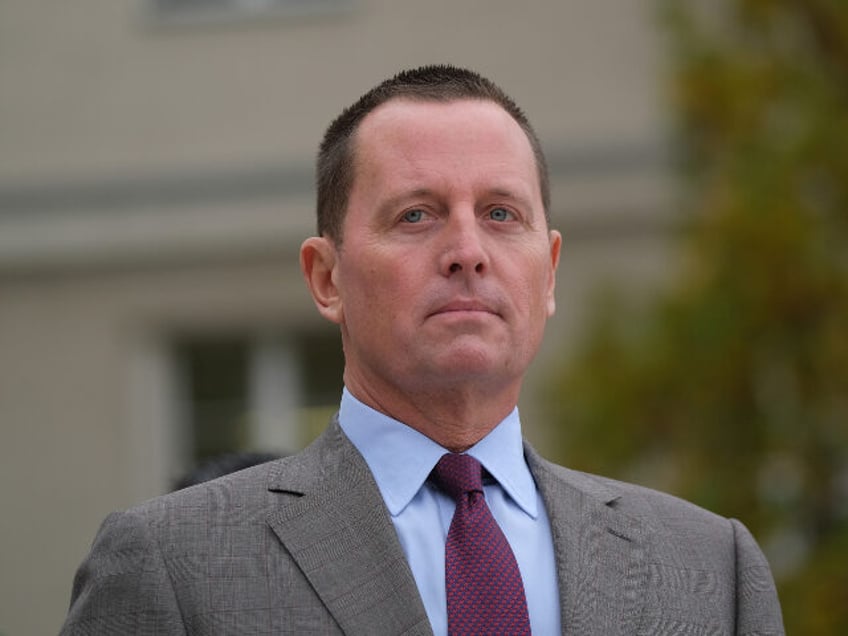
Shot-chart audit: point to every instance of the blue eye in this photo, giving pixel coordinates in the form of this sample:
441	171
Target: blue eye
413	216
500	214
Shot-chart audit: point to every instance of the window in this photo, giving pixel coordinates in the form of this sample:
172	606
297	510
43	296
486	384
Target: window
216	396
253	393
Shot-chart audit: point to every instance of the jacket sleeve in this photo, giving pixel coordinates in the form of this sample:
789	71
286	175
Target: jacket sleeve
122	586
757	606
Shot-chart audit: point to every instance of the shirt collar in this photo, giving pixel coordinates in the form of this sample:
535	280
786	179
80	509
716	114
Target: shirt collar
401	458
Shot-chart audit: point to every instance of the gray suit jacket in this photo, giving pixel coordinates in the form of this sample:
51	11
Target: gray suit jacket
305	545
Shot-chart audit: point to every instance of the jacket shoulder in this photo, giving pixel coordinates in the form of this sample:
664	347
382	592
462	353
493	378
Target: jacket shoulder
654	508
691	558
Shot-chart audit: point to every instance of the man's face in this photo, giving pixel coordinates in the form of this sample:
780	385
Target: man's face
446	271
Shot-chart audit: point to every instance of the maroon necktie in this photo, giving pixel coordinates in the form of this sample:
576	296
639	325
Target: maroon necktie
484	589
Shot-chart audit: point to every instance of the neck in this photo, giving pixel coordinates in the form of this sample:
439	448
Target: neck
456	418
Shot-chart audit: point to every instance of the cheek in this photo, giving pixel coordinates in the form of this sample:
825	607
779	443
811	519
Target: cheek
535	296
375	298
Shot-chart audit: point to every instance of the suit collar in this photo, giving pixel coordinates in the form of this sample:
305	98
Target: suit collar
334	524
600	551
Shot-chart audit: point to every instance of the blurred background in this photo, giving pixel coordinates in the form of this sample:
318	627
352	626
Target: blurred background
156	183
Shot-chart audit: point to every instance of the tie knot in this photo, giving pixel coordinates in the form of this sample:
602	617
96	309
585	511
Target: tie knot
459	474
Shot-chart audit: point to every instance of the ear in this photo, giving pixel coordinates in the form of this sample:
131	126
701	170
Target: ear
318	259
555	240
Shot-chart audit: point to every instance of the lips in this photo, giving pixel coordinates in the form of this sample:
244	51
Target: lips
465	305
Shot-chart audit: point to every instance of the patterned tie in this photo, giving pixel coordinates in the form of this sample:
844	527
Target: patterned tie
484	589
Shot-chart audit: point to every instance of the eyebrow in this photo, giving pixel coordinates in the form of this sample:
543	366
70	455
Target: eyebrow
411	194
389	205
427	192
510	194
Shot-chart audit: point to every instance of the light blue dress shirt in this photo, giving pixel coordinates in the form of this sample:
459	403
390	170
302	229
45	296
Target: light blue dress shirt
401	458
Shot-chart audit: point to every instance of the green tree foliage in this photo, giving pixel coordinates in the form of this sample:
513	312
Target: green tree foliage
731	390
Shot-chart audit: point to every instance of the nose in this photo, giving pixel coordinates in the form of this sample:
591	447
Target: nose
465	251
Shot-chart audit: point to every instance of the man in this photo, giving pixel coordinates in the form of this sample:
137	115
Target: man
436	260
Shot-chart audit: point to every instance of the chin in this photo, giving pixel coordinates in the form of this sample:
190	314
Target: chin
458	368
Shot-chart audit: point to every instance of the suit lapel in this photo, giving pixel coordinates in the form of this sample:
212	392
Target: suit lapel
600	552
338	531
335	526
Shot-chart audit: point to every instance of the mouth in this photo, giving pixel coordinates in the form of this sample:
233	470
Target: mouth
465	306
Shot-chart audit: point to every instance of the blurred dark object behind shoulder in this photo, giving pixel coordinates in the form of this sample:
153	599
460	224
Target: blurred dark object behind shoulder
223	465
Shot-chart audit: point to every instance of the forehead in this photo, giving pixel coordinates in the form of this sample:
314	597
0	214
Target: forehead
416	138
